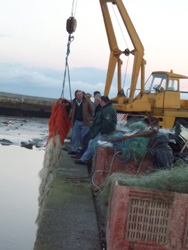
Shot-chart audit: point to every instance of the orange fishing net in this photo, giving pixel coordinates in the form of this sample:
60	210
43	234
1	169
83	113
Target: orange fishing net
59	123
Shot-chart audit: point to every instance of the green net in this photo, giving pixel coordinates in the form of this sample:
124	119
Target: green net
173	180
136	125
138	147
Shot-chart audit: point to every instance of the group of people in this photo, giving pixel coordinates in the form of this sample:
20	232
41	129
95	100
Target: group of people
90	122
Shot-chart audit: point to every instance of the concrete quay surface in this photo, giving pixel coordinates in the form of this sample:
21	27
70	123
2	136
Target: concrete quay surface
69	219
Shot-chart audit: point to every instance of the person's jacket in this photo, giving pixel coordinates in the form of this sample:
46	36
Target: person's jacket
87	111
105	121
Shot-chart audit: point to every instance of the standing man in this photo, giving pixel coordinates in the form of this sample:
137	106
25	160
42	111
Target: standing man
87	137
95	93
81	114
97	101
104	124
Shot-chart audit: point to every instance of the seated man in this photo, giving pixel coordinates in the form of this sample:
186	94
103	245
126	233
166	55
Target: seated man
104	123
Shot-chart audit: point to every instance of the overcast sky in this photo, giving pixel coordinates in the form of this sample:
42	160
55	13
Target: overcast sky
33	43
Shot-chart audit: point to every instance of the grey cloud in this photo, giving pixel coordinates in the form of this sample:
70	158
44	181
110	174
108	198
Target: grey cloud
19	79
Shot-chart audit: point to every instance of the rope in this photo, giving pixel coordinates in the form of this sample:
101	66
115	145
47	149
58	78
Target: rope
71	26
73	12
125	73
70	39
123	154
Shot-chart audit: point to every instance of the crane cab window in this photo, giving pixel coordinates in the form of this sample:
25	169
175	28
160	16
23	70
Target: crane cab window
156	83
162	86
173	85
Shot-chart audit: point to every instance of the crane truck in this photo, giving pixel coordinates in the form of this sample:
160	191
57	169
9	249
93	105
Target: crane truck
161	97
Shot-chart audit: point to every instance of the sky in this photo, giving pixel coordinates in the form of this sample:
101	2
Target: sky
33	44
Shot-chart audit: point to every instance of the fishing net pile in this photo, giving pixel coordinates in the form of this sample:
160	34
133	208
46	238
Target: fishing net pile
59	126
133	142
136	140
59	123
134	148
131	148
174	179
169	170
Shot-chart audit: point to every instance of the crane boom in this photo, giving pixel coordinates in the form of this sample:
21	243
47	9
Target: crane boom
115	52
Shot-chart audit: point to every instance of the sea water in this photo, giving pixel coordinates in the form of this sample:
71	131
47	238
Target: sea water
19	190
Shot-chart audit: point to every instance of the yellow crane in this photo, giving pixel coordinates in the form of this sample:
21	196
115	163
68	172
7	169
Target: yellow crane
162	96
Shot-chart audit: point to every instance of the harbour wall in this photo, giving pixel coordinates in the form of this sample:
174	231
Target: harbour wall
27	106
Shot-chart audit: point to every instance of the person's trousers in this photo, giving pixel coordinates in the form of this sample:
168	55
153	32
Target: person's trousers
79	130
91	147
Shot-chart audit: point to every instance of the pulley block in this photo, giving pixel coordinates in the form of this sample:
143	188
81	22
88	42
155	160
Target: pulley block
71	25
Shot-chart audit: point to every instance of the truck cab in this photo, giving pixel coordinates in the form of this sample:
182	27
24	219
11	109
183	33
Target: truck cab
162	89
163	92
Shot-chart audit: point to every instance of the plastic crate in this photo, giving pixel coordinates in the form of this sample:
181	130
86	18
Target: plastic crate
145	219
106	164
121	116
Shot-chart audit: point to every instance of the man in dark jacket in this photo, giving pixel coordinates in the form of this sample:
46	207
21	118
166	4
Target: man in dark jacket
81	114
87	137
104	124
106	120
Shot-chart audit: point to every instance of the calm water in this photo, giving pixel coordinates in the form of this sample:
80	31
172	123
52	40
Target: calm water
19	183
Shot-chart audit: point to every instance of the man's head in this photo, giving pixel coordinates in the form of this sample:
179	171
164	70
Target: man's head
104	100
88	95
79	95
65	103
97	99
95	93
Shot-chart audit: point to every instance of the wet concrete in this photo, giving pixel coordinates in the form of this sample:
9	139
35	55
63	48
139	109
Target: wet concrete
69	218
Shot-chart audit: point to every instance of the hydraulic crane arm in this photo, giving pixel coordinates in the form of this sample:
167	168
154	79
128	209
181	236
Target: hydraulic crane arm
115	52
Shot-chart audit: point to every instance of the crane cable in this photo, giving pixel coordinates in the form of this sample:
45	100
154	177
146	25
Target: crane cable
74	5
71	27
127	62
59	122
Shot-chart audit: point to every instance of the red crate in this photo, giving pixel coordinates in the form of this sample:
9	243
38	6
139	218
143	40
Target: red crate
120	116
106	164
145	219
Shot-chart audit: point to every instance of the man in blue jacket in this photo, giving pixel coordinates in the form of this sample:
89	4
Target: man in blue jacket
104	124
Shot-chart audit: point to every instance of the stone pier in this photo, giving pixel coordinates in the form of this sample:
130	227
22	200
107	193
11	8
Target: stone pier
27	106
